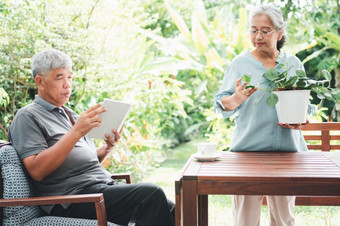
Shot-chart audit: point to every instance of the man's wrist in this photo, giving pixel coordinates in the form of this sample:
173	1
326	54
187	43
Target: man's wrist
108	148
75	133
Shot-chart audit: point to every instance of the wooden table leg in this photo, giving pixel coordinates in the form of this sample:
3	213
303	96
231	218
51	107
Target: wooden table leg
178	202
203	210
190	203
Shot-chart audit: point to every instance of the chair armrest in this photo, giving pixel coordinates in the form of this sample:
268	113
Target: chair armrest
125	176
49	200
97	199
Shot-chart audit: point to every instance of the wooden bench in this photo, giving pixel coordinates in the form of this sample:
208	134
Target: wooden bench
325	137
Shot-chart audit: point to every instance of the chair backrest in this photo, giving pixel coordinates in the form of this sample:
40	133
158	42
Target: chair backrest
15	185
325	133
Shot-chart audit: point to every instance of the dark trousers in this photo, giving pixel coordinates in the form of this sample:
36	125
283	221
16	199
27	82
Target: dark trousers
141	203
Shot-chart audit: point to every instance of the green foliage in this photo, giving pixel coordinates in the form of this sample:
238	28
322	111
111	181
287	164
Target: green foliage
167	57
320	45
199	56
4	98
107	64
282	81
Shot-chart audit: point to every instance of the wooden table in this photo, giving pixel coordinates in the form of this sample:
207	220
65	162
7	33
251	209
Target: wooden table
254	173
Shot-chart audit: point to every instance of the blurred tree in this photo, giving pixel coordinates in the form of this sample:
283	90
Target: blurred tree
110	55
321	46
168	57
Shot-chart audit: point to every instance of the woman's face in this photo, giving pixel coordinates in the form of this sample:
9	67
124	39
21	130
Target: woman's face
263	35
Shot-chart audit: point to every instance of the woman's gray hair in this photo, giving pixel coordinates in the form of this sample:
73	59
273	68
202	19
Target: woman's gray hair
45	61
275	15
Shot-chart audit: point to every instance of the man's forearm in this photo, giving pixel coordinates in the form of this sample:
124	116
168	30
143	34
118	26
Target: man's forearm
103	151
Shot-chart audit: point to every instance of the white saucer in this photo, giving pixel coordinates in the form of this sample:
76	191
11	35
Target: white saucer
207	158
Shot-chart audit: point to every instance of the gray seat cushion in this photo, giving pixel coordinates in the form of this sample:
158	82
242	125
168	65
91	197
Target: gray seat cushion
57	221
17	185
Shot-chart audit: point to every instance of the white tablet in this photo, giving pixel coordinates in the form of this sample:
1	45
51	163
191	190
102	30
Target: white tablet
113	118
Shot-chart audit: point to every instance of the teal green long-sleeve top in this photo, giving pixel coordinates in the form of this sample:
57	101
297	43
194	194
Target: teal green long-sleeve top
256	127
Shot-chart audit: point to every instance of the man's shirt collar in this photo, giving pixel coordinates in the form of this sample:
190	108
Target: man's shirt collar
45	104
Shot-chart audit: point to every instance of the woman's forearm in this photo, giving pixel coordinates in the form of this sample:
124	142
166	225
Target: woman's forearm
232	102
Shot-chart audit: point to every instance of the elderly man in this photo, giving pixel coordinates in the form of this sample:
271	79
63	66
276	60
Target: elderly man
52	144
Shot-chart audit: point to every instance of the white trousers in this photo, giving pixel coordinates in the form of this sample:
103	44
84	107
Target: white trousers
247	210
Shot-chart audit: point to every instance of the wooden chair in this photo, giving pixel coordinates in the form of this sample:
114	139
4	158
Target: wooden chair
19	208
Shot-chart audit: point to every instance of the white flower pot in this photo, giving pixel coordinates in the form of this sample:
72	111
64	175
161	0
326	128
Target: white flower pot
292	106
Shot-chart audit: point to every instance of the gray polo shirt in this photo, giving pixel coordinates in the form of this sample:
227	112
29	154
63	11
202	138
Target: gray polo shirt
38	126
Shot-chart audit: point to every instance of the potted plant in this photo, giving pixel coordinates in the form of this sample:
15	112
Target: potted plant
290	93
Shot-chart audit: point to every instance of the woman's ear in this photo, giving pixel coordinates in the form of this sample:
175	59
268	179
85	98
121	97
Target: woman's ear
279	37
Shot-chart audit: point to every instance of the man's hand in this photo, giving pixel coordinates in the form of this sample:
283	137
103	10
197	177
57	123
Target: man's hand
110	142
88	120
293	126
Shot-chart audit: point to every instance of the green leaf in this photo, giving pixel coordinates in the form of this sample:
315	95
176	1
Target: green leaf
271	74
326	74
336	94
201	87
301	83
314	55
291	81
272	99
300	73
334	39
246	78
328	95
320	96
193	128
180	23
242	27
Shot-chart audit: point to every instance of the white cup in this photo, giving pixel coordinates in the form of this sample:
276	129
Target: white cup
206	148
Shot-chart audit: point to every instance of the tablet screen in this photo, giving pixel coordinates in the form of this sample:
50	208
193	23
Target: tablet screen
113	118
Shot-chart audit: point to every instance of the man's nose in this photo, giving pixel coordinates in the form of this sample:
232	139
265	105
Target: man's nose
68	83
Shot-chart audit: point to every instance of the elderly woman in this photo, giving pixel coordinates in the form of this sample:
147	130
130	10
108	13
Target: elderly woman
256	126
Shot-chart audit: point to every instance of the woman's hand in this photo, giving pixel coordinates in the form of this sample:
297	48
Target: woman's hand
293	126
241	92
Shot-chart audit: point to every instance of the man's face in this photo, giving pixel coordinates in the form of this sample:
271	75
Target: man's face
56	87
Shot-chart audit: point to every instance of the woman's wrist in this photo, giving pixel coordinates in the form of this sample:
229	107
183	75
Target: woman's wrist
232	102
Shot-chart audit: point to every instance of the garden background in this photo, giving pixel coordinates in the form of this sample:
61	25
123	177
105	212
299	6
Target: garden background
166	57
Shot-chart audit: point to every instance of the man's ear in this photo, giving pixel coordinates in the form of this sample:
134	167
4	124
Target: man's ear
40	81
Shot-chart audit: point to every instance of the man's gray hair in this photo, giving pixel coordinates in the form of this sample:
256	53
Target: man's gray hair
45	61
274	13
